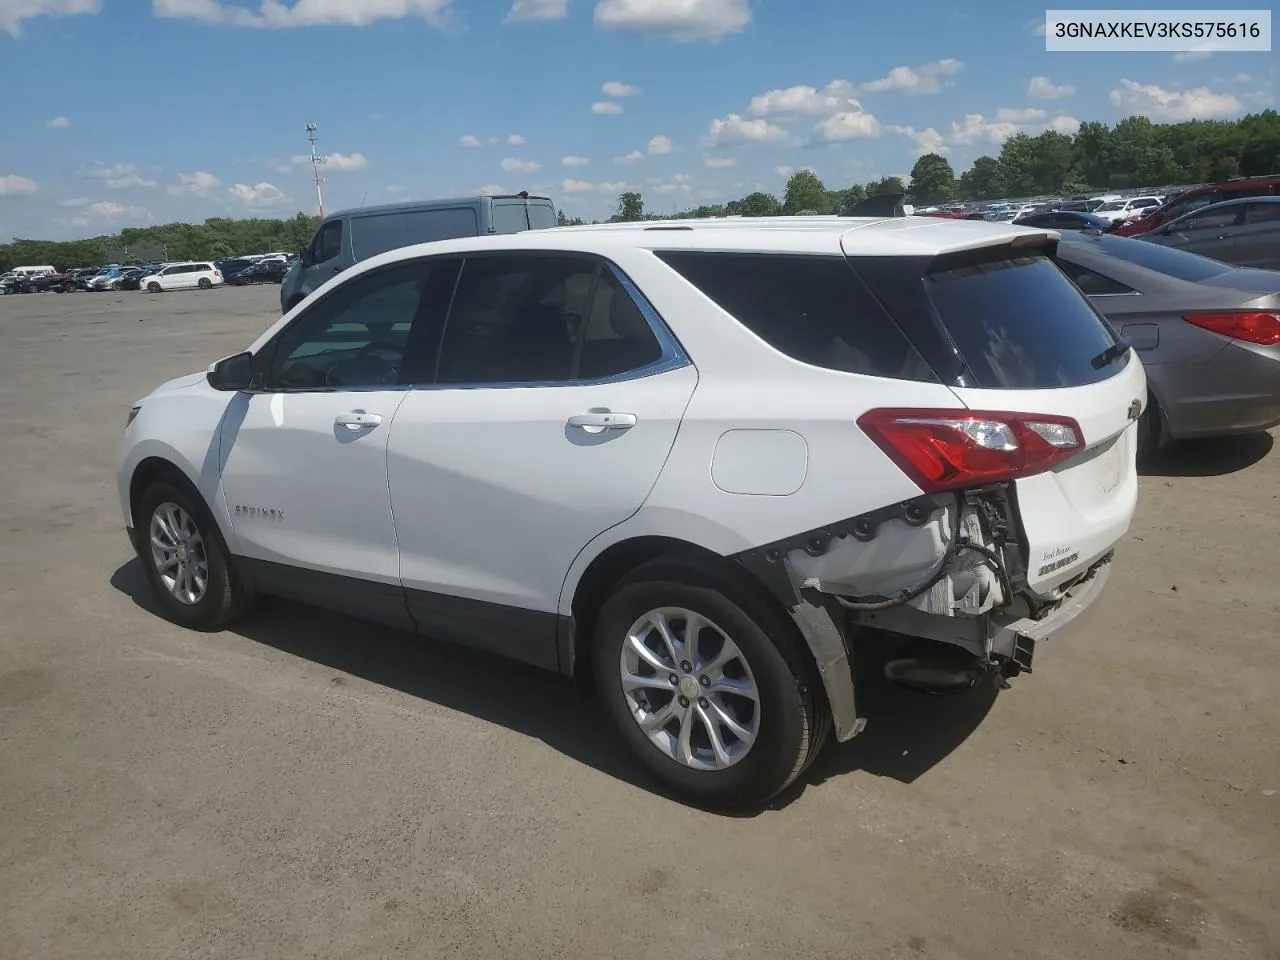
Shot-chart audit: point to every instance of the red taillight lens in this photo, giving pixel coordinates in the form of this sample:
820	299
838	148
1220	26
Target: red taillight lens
949	449
1253	326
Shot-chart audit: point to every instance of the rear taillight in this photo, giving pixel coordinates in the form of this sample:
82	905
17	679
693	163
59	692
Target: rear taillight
1253	326
949	449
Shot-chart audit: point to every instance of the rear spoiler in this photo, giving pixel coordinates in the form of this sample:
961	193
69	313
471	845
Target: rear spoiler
881	205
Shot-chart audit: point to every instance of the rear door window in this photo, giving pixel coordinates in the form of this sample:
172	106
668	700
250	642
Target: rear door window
1263	213
1019	324
509	216
812	308
373	235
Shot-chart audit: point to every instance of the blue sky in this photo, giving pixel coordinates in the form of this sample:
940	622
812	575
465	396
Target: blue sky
131	112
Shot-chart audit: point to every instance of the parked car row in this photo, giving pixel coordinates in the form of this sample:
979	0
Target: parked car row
150	277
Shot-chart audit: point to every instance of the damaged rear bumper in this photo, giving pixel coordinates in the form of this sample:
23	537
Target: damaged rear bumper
1025	640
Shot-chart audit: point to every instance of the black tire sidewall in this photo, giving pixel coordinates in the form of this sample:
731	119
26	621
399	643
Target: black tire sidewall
214	606
783	730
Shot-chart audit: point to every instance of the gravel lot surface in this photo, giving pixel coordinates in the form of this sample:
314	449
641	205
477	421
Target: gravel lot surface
305	785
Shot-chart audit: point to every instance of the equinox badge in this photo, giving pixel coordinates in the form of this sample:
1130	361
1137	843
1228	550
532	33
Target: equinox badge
1135	409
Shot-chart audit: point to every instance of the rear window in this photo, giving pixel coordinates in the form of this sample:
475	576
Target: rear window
542	216
1178	264
812	308
1021	325
372	235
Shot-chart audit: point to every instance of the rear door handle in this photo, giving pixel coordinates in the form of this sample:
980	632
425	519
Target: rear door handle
357	421
599	420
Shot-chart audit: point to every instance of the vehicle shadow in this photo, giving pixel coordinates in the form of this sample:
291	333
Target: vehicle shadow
1210	457
907	732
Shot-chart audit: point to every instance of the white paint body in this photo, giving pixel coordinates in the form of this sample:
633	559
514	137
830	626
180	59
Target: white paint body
183	276
488	493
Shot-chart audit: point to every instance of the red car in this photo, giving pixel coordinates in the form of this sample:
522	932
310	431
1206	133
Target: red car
1202	196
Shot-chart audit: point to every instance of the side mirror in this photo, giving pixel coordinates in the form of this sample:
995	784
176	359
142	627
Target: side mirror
232	373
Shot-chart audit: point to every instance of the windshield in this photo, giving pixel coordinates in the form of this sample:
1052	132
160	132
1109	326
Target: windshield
1021	325
1178	264
1111	205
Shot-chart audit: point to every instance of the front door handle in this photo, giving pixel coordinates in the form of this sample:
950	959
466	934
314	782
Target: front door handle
357	421
598	420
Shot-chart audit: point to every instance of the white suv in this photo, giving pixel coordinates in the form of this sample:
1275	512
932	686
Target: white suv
182	276
696	460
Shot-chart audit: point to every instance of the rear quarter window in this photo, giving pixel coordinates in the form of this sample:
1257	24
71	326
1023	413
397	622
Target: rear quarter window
812	308
1021	325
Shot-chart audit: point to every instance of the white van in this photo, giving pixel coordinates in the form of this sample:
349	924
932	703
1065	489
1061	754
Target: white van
34	271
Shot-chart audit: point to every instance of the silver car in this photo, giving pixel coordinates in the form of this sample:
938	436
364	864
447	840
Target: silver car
1208	333
1245	232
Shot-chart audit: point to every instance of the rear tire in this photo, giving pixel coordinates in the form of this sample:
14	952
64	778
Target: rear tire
766	686
186	559
117	285
204	283
1150	437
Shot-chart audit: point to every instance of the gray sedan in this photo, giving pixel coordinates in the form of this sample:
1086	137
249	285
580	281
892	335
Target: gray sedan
1208	333
1245	232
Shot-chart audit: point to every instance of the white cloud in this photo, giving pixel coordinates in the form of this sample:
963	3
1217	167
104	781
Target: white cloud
604	107
57	123
1020	116
516	165
635	156
680	21
491	190
915	80
1173	106
1190	55
835	96
1038	28
119	176
200	183
975	128
13	12
469	140
782	171
335	162
572	161
396	191
927	140
515	140
274	14
586	186
1042	88
848	125
660	144
616	88
75	202
733	130
718	163
13	185
525	10
680	183
259	195
1067	125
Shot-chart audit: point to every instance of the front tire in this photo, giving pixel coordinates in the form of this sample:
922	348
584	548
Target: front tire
707	684
153	287
186	560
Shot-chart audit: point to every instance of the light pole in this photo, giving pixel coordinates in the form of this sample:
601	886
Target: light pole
315	167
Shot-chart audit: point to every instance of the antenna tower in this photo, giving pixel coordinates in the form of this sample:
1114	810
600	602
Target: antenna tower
316	160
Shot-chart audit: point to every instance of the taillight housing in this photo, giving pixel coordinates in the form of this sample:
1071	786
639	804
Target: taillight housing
1252	326
951	449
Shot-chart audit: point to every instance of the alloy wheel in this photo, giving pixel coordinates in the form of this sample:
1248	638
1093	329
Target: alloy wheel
178	553
690	689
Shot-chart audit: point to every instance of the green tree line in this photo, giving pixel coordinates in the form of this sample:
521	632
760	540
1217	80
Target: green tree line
1133	153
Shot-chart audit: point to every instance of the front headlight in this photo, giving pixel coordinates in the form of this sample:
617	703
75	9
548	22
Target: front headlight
133	413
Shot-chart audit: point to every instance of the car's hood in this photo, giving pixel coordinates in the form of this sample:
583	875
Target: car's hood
179	383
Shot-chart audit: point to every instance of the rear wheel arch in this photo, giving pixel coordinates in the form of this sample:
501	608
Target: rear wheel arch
620	560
